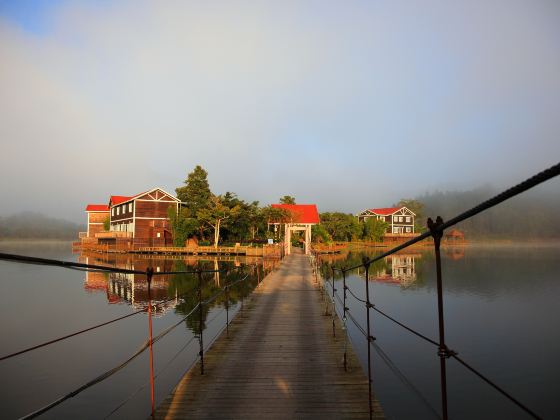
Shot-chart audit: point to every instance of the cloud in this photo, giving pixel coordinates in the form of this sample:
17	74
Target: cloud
348	105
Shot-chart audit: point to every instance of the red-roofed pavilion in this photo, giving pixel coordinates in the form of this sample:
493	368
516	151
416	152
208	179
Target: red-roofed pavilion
302	217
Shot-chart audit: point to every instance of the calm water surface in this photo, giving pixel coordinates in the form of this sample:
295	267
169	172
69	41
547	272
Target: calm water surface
501	315
40	303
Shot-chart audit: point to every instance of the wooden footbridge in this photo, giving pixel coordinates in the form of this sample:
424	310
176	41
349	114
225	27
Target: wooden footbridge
279	361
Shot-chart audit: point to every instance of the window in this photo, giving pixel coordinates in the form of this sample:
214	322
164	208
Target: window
113	211
407	229
400	218
159	235
130	207
407	219
118	211
124	209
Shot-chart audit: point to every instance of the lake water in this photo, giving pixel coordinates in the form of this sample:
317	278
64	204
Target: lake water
501	315
40	303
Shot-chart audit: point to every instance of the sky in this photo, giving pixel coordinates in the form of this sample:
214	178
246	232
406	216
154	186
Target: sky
346	104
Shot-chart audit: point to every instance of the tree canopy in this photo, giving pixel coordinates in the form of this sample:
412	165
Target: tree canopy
287	199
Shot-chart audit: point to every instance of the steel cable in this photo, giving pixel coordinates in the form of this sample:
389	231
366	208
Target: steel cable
529	183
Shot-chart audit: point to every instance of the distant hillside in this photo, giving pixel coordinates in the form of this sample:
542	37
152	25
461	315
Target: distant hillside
29	225
532	215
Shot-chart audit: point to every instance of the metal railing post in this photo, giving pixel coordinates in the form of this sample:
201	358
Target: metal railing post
443	351
200	313
227	309
369	336
333	304
344	309
149	275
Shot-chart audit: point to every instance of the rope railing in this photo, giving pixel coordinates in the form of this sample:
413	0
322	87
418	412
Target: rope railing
435	232
145	345
149	273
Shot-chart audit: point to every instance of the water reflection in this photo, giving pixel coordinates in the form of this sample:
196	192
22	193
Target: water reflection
501	315
176	292
399	268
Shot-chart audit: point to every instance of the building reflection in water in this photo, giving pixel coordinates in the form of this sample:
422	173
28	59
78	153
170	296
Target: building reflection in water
399	268
132	289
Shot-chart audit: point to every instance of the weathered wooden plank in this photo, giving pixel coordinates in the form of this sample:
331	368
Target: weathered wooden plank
281	361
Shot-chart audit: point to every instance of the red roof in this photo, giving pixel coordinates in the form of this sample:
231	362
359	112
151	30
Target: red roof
97	207
301	213
118	199
385	211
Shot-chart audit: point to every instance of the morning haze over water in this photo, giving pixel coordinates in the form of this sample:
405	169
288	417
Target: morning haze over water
221	136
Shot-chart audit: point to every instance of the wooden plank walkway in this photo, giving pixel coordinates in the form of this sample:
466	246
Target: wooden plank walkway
280	361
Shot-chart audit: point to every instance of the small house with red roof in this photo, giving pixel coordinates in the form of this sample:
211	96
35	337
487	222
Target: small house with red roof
96	216
300	218
143	217
400	220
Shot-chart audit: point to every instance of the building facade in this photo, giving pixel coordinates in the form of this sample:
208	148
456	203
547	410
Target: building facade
96	216
301	218
143	217
400	220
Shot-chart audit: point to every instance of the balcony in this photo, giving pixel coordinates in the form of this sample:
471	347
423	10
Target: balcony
113	234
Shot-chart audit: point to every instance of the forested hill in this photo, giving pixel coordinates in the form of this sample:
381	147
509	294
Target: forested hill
532	215
30	225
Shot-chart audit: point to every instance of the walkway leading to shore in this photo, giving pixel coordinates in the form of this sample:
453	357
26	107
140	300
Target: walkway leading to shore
280	361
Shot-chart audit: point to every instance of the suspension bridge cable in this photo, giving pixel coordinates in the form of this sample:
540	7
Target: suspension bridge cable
496	387
55	340
529	183
422	336
114	370
65	264
402	377
163	369
108	373
38	346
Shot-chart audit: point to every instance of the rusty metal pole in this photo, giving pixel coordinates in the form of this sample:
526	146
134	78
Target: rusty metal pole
149	274
369	337
443	351
333	304
200	314
344	309
227	311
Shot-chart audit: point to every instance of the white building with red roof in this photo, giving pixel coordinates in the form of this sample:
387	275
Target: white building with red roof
96	216
400	220
300	218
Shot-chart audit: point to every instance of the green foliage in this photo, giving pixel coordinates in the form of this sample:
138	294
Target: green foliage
183	225
341	226
373	229
107	224
217	214
320	234
417	207
287	199
196	194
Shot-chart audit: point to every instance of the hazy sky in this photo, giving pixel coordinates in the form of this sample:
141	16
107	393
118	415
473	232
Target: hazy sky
347	104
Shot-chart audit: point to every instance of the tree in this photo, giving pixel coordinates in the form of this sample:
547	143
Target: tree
107	224
418	209
320	234
374	229
196	194
287	199
341	226
216	215
182	225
